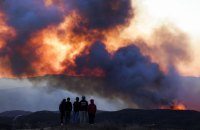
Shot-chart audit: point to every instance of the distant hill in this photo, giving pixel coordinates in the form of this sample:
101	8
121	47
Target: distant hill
14	113
38	119
153	118
161	119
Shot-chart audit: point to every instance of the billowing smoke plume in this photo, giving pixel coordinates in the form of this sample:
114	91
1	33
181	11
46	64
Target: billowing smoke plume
58	37
29	17
128	72
99	14
103	14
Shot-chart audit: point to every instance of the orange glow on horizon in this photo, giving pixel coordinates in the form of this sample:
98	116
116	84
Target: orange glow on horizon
179	107
175	106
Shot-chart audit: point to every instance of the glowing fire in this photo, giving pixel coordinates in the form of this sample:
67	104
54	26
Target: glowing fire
64	44
6	32
178	107
175	106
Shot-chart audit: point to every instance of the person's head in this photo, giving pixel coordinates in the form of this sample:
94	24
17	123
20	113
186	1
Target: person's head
92	101
77	99
68	99
83	97
64	100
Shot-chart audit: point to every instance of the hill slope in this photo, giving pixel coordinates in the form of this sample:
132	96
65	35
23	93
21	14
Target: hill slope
165	119
14	113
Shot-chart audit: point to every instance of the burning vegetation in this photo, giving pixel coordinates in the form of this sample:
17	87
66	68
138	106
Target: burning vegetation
84	38
175	106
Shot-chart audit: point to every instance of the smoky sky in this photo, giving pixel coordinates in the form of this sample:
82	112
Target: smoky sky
26	17
129	72
29	16
103	14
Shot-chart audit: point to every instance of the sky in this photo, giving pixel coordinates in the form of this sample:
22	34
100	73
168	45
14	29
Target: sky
23	95
181	17
183	14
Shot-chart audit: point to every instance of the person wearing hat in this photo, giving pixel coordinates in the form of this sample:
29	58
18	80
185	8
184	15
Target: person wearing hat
83	110
68	109
76	109
92	111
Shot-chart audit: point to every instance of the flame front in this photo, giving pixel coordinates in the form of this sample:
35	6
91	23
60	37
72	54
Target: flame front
175	106
179	107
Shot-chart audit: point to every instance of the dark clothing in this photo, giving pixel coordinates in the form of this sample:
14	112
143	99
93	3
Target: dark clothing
76	106
67	117
91	112
92	108
62	115
68	109
76	109
91	118
83	105
62	107
62	111
68	106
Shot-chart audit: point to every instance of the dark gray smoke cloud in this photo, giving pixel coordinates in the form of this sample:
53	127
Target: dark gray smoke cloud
130	73
103	14
30	16
26	17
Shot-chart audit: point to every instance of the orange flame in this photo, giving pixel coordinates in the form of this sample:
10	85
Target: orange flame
6	32
58	45
178	106
175	106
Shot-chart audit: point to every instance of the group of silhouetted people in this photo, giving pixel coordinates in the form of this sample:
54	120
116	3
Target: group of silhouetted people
81	111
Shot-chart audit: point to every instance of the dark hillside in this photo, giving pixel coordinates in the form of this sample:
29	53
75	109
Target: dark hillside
156	119
153	118
14	113
5	123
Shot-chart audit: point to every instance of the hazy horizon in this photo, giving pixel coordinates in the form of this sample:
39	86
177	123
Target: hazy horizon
22	94
16	94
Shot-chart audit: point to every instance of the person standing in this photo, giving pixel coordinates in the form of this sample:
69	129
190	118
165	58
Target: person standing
92	111
76	109
62	110
83	110
68	109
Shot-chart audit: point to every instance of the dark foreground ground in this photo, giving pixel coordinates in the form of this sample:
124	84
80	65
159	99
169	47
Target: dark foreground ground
127	119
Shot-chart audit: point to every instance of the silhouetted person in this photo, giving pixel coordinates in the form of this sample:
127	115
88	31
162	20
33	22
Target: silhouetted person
62	110
68	109
83	110
76	106
92	111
